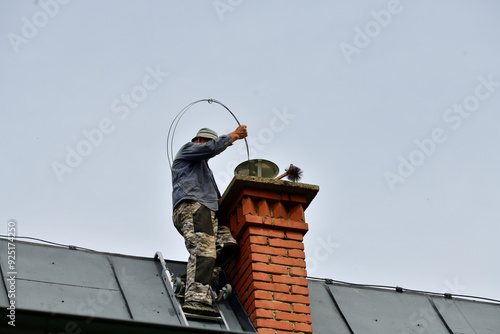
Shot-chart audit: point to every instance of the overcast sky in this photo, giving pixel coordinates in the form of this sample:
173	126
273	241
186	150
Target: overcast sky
390	107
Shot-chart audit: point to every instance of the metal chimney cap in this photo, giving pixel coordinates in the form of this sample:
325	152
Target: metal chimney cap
257	167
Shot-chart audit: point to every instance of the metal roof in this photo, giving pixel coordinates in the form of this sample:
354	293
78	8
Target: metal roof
350	308
99	288
69	290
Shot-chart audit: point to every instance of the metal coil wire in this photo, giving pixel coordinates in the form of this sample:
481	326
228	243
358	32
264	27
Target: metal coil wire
175	122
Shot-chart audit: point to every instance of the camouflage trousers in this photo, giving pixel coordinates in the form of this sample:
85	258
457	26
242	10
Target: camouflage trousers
210	245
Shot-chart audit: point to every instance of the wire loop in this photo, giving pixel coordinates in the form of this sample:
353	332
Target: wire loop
175	122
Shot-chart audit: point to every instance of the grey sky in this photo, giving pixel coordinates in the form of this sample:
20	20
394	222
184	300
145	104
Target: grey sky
391	107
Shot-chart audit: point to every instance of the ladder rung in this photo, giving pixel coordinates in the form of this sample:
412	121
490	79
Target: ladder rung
203	317
167	280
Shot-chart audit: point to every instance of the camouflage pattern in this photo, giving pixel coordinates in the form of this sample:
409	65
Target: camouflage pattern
210	247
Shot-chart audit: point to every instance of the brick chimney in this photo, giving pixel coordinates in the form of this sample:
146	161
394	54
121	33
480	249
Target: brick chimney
266	217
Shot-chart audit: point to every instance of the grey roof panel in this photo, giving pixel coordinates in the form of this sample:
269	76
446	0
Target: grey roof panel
58	280
469	317
373	311
57	298
143	289
58	265
366	310
324	313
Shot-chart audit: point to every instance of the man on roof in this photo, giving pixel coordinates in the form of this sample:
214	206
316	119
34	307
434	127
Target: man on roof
195	199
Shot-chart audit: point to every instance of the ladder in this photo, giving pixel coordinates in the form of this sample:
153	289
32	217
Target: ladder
173	288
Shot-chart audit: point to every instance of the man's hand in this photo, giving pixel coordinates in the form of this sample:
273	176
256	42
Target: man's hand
239	133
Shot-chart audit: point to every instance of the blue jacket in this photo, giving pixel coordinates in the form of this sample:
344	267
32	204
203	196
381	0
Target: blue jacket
192	179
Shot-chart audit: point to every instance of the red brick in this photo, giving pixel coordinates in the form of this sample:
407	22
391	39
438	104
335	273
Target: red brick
287	261
239	215
235	273
279	211
248	207
301	308
250	276
298	198
286	244
268	268
253	239
290	280
243	243
293	317
291	298
267	232
243	222
243	265
303	328
246	254
260	194
268	222
246	238
248	267
272	305
266	331
233	222
249	297
270	287
300	290
251	308
241	276
285	197
267	250
260	277
294	235
265	323
266	295
297	213
263	207
230	265
255	220
298	272
259	313
296	253
247	300
291	225
242	256
243	284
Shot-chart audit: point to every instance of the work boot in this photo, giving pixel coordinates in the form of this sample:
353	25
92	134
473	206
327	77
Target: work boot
200	309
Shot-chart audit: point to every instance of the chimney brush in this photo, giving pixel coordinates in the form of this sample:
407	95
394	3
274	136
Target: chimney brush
293	173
